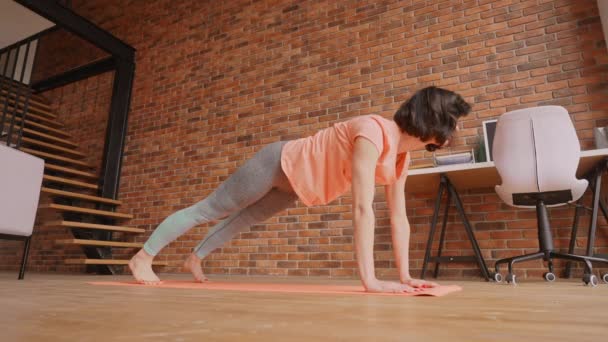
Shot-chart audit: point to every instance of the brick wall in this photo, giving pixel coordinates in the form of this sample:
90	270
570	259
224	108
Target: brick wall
60	51
215	81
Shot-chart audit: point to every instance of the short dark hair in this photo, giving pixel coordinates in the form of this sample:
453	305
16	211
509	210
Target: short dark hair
431	113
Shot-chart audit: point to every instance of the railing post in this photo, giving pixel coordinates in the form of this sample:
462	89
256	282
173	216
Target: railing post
26	97
9	90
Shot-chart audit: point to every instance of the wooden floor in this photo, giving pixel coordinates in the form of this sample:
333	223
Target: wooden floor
48	307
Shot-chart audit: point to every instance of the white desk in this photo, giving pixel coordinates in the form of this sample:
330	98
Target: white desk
479	175
457	177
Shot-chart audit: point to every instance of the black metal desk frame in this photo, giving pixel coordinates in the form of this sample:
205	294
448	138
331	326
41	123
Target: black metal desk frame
594	177
446	185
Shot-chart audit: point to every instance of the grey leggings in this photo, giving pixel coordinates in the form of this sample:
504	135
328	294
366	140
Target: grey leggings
255	192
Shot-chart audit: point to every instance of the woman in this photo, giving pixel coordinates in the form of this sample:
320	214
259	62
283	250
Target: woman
355	154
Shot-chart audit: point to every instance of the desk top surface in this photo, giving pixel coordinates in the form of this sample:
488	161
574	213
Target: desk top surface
479	175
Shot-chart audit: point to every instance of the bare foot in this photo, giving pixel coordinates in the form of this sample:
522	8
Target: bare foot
141	267
193	264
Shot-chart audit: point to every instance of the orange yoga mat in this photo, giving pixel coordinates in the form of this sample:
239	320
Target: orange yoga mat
283	288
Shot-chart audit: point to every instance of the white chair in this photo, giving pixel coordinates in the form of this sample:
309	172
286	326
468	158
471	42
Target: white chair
20	182
536	152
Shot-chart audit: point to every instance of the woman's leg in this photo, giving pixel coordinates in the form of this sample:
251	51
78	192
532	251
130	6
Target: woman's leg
247	185
273	202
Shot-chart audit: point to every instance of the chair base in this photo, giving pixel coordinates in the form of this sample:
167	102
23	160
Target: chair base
546	252
588	277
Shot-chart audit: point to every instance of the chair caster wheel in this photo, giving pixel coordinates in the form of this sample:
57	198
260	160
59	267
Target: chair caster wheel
550	277
511	279
605	277
590	279
497	277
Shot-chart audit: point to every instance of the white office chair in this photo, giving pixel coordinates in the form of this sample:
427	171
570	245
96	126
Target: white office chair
536	152
20	182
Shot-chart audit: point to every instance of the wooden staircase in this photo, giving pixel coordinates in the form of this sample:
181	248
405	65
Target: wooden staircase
70	182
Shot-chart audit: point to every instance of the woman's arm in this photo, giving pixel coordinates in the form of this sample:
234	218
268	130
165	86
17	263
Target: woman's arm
400	228
365	157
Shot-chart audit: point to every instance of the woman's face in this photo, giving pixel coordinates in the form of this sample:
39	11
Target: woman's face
434	145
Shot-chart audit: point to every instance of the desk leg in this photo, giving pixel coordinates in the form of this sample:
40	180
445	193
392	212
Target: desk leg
26	252
595	208
467	225
442	238
603	208
573	233
429	244
595	181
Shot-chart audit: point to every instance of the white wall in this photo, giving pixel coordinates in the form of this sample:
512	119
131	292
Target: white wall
18	22
603	6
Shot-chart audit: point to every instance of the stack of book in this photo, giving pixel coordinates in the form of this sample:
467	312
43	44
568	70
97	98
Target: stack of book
457	158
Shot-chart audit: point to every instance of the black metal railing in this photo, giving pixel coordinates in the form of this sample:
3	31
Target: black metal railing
16	65
120	61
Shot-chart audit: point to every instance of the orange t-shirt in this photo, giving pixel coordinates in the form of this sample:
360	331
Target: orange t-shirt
319	167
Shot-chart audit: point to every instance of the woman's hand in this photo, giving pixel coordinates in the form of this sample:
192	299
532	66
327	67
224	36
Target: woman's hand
388	287
419	283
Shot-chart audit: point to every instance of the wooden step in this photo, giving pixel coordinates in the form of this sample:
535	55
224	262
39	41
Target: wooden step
4	84
70	171
53	147
41	101
41	109
35	99
45	156
69	181
61	207
8	83
100	243
46	121
70	194
84	225
32	106
44	127
50	137
10	108
107	262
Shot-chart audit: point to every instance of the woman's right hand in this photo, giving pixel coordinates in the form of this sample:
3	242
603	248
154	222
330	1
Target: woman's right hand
388	287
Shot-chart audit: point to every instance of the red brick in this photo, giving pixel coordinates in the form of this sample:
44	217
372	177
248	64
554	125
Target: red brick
504	102
530	82
507	234
536	97
551	86
522	243
522	20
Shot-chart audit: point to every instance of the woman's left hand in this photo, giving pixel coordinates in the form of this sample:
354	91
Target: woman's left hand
419	283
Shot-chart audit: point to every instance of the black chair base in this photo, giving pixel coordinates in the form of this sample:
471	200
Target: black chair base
588	278
547	252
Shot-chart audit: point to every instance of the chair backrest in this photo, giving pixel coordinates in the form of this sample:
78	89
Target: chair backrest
536	150
20	182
